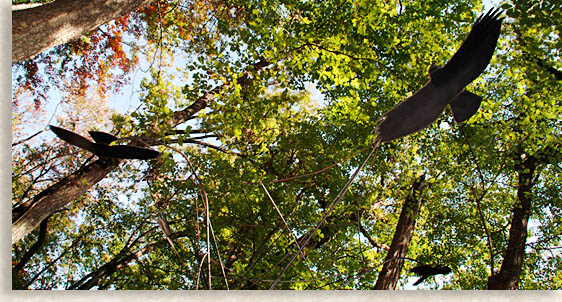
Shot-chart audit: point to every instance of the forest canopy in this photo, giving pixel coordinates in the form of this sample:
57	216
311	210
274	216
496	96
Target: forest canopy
260	112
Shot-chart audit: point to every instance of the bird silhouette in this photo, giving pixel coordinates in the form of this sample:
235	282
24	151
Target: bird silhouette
427	270
447	84
101	145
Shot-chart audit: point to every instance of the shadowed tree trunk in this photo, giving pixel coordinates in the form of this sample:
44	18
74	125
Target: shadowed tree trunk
42	27
390	272
508	276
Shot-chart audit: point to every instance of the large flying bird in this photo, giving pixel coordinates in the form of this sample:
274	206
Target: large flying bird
447	84
101	146
426	270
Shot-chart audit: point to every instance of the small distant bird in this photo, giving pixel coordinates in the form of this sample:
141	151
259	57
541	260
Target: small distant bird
447	84
101	146
427	270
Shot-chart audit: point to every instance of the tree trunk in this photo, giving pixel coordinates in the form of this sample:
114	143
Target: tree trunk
508	276
39	28
28	216
390	272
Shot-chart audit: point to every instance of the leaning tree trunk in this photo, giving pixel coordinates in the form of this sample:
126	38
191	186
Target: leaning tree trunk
390	272
508	276
39	28
28	216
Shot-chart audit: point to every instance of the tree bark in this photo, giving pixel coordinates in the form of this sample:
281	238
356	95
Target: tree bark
390	272
28	216
39	28
508	276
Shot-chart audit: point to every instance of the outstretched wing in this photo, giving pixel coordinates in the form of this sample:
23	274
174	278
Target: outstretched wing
425	106
73	138
475	52
125	152
102	137
101	148
423	269
413	114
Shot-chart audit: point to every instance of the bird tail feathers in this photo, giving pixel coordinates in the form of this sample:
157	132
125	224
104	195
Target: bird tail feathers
465	105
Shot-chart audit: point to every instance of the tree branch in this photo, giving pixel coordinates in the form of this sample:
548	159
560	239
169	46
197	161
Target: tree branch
35	247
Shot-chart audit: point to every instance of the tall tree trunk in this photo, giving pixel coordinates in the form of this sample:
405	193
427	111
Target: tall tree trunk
508	276
390	272
39	28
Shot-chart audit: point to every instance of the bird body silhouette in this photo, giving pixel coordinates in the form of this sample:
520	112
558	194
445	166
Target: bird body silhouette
101	145
447	84
427	270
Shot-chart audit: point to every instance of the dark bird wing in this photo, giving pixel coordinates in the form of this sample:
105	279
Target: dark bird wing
413	114
465	105
125	152
420	280
102	137
474	53
73	138
424	269
427	270
102	149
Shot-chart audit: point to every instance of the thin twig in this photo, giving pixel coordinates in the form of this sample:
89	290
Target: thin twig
368	269
199	272
311	173
374	147
472	155
372	241
287	227
219	255
283	219
362	272
479	200
206	203
28	138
